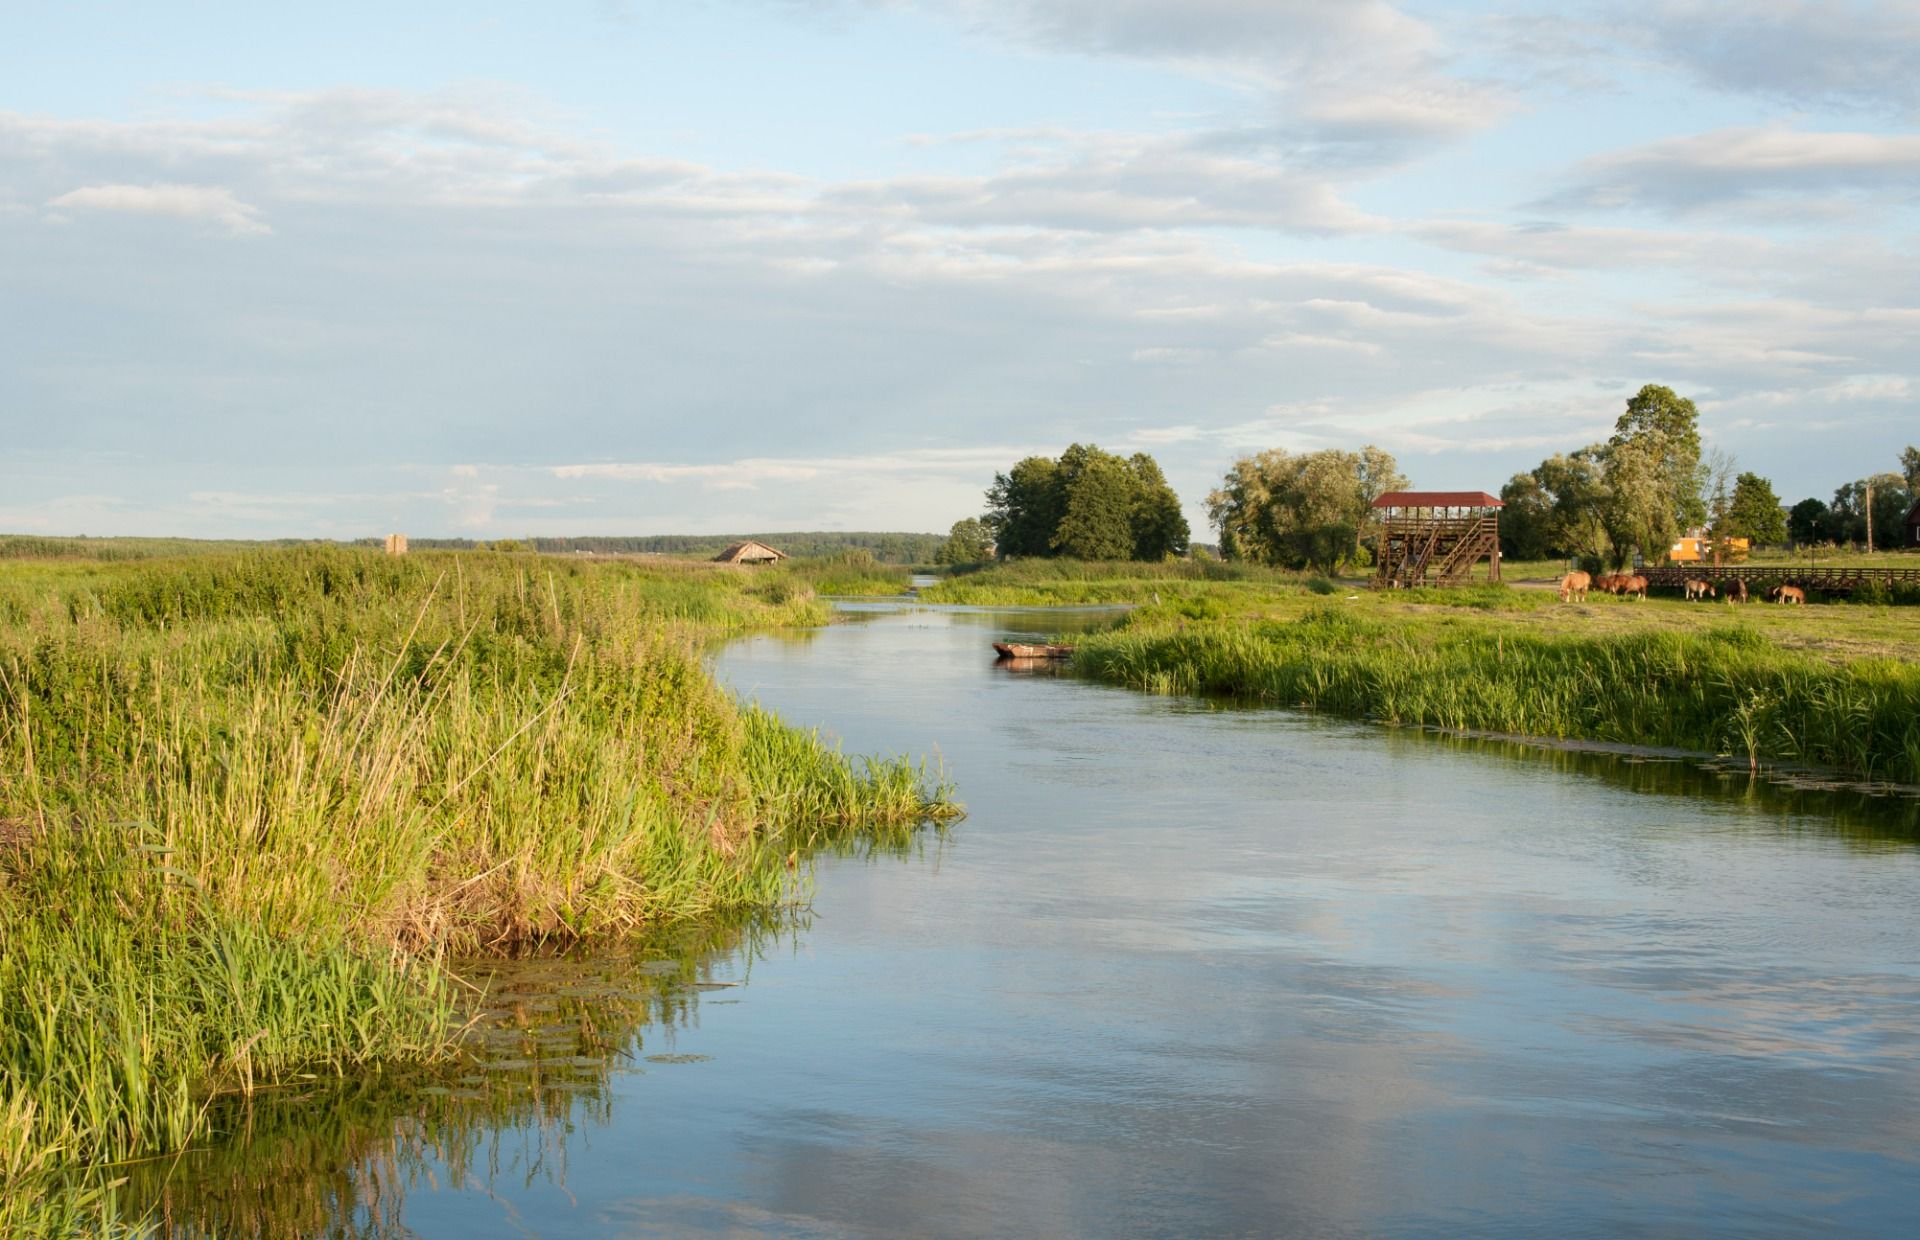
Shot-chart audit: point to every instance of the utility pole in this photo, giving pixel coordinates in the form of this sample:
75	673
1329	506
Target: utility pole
1869	516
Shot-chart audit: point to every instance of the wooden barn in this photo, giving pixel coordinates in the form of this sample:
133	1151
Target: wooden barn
749	552
1913	526
1436	537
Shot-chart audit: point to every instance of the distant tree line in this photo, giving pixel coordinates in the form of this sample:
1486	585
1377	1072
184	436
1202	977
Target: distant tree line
1651	482
888	548
1845	519
1636	492
1085	504
1639	492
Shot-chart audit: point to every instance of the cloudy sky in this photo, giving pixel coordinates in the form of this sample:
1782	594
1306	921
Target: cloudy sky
650	266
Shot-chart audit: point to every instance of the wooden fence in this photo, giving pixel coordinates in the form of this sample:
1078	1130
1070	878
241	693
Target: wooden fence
1829	580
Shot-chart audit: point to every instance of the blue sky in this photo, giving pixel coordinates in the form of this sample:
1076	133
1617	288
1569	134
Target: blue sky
629	267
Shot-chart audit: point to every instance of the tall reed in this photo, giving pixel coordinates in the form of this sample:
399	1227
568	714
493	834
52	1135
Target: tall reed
1727	690
252	801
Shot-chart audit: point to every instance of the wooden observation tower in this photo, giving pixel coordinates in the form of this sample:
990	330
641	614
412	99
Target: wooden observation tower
1434	538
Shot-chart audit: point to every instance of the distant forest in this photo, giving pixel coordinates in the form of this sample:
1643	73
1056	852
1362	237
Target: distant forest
894	548
888	548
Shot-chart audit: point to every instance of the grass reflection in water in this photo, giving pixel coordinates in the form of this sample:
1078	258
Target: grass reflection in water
548	1035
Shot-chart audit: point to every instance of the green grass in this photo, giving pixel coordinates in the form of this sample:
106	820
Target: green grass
251	802
851	572
1697	677
549	1035
46	547
1044	583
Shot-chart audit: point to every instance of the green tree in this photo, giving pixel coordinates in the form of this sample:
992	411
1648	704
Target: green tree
1024	507
1807	522
968	542
1159	527
1847	518
1581	498
1847	515
1891	500
1654	472
1098	522
1379	473
1526	520
1300	511
1753	513
1068	507
1910	469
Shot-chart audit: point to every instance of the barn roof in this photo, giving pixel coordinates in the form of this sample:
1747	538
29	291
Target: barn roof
749	549
1438	499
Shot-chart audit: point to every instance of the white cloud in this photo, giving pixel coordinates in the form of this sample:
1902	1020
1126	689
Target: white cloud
1730	165
1805	55
1163	356
1803	52
478	282
749	473
1364	80
208	204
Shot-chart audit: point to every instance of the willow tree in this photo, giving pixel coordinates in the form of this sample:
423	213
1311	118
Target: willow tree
1304	510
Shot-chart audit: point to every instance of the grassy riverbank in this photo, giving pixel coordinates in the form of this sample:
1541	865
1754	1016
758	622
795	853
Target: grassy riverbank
1835	687
1064	583
247	803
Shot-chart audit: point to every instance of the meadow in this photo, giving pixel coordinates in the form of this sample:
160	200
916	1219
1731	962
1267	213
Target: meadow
1830	685
1065	583
251	802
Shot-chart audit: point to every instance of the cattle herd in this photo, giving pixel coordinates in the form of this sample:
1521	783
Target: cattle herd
1576	584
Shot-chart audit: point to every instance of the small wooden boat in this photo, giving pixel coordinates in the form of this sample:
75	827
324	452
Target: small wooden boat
1031	650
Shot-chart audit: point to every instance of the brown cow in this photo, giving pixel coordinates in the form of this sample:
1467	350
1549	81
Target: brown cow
1736	591
1575	583
1635	585
1698	589
1787	594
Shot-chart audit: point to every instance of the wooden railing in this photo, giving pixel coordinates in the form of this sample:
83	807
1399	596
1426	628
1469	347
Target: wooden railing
1835	579
1434	550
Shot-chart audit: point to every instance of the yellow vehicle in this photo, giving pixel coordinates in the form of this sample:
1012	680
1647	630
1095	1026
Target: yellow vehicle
1698	546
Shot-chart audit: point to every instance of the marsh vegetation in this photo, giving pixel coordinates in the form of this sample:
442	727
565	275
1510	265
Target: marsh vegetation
251	803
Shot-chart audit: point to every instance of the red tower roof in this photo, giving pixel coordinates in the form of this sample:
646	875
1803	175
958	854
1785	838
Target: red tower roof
1438	499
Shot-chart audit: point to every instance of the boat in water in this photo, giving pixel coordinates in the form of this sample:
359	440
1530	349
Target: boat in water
1031	650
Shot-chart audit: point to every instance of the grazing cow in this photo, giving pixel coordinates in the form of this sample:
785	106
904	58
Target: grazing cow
1635	585
1736	591
1574	584
1787	594
1697	589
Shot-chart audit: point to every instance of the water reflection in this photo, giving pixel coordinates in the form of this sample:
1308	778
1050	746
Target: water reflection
550	1033
1735	796
1187	968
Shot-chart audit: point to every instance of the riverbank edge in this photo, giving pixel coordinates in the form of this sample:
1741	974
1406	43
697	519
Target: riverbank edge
1721	692
140	949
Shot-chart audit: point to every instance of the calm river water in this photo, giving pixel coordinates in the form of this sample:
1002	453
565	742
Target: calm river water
1187	970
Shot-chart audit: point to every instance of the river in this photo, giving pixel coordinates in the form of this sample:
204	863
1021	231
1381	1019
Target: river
1187	970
